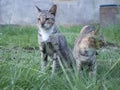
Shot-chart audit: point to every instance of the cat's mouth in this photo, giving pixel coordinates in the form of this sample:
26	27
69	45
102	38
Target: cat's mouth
46	26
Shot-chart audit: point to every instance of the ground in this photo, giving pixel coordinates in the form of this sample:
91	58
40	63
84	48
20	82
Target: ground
20	62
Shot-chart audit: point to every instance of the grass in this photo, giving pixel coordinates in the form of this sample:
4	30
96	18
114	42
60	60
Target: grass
112	34
20	62
17	36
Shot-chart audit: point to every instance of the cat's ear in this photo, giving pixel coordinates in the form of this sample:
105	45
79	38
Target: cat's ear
53	9
38	9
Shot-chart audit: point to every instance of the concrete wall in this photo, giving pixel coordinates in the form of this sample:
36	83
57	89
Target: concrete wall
70	12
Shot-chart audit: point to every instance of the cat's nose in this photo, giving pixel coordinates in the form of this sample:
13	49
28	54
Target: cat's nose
42	23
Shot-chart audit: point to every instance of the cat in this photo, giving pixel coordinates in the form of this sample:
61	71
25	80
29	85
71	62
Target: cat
51	42
84	50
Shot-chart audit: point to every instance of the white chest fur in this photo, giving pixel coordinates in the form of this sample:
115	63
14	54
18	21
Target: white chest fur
45	33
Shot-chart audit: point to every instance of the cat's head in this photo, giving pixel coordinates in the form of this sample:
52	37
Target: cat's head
46	18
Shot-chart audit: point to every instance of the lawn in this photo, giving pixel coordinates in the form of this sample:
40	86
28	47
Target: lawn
20	62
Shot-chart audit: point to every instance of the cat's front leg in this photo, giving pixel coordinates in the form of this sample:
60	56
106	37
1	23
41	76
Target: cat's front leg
79	67
44	61
55	64
92	70
44	56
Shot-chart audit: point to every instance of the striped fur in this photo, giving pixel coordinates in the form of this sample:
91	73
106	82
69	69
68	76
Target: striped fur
51	42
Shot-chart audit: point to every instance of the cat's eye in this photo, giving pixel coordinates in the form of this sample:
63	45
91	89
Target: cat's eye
47	18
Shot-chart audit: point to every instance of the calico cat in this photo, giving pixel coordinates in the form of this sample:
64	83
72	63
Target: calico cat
85	50
51	42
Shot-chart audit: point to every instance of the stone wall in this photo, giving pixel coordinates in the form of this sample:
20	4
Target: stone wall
69	12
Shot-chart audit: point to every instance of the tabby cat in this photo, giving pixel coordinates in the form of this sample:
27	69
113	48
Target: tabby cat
51	42
85	50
